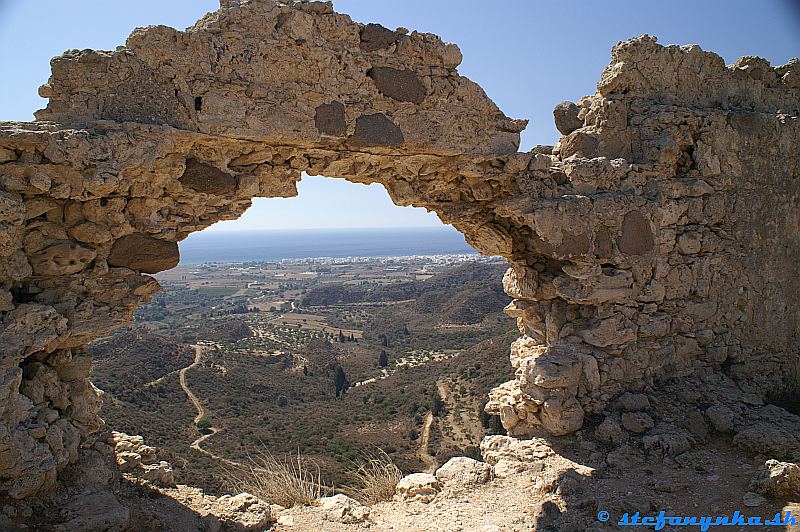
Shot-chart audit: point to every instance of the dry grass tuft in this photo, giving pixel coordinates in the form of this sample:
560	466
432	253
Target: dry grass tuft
376	478
293	481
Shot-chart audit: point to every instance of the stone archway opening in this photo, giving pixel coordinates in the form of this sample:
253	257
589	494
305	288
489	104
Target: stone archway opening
282	350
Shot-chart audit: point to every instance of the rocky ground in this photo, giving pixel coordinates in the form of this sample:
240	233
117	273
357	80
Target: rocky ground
652	452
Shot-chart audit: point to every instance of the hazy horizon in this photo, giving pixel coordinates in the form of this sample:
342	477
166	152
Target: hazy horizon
244	229
254	245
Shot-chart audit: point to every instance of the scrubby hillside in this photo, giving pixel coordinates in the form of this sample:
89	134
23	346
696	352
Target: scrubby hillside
473	276
443	343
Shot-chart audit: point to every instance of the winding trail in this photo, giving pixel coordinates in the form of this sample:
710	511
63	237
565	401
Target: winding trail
198	353
201	411
160	379
423	453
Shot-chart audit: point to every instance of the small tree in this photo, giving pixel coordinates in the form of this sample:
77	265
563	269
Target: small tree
340	381
437	405
383	359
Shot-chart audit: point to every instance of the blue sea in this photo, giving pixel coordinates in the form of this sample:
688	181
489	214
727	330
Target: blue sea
271	245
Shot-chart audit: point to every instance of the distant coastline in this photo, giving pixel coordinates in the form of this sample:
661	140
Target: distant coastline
272	245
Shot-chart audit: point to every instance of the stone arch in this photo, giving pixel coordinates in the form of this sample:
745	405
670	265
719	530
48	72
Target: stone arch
627	263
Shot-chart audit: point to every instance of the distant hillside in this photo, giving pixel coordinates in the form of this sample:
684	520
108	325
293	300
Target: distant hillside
129	360
229	330
473	275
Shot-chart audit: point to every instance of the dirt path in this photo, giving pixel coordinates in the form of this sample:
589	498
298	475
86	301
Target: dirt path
201	411
423	453
198	353
160	379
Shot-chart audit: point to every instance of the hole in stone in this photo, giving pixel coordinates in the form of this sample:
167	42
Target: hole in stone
788	396
103	202
333	323
198	103
788	401
20	295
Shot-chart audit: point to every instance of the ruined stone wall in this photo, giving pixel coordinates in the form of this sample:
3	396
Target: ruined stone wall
672	246
659	237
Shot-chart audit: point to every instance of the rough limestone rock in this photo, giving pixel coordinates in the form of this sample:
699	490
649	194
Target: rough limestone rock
136	458
464	472
637	422
94	511
778	479
633	402
160	473
144	253
343	509
657	240
242	512
418	486
496	448
206	178
565	115
505	468
610	431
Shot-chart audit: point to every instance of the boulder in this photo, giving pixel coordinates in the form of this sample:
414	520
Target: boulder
92	512
566	118
90	233
633	402
768	438
610	431
418	486
208	179
144	253
462	471
160	473
722	418
29	328
242	512
778	480
343	509
637	422
7	155
557	367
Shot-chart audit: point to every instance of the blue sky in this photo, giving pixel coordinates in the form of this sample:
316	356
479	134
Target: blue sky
527	55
